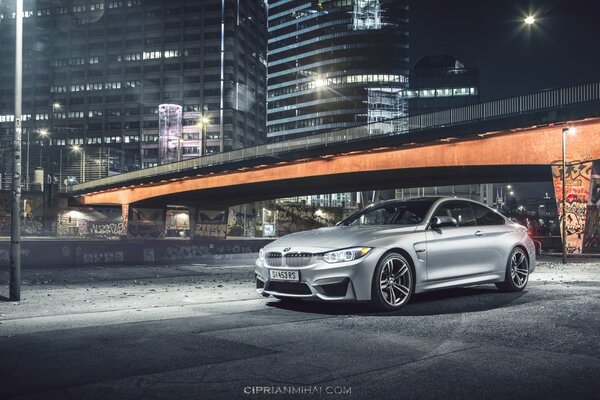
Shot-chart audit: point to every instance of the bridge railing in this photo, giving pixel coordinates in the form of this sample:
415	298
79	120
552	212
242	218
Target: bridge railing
538	101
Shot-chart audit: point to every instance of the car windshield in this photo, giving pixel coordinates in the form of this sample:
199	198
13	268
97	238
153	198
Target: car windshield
401	213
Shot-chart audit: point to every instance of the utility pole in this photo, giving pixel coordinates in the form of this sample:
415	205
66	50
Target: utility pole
15	231
563	225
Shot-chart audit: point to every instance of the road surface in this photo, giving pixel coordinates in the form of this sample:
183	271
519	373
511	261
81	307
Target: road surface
200	332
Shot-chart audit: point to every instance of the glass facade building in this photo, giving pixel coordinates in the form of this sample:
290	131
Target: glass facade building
335	64
96	71
439	82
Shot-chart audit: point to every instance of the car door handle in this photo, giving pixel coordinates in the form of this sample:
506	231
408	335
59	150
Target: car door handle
479	233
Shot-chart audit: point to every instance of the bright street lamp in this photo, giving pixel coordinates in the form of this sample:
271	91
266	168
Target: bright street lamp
565	132
529	20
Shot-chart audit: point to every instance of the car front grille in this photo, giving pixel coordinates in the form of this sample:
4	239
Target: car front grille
288	287
276	259
298	259
273	259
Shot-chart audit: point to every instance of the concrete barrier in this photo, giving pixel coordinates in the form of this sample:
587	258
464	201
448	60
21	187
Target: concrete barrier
70	253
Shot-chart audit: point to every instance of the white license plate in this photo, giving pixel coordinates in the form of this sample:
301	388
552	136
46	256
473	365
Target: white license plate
280	275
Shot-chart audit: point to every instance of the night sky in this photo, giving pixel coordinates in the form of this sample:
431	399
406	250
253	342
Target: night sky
563	48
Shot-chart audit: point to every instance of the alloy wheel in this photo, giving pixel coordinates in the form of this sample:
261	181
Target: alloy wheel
519	269
395	282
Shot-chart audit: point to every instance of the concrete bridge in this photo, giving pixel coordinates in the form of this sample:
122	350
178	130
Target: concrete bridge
514	139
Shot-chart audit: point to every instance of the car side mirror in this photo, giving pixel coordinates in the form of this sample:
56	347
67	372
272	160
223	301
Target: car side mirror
440	222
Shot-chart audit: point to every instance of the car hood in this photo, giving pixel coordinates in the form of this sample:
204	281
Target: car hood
336	237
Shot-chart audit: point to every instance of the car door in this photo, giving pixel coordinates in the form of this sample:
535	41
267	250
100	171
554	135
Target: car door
492	230
455	251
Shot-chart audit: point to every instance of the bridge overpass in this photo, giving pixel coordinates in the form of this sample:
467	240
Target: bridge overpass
513	139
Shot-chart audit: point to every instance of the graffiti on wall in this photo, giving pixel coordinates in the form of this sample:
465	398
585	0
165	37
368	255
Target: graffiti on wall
105	257
104	229
591	243
211	224
577	190
191	252
88	222
146	223
210	230
145	230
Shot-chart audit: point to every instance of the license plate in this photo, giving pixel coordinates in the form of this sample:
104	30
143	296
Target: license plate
280	275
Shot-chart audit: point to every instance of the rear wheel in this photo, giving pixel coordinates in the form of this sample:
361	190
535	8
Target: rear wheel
393	282
517	272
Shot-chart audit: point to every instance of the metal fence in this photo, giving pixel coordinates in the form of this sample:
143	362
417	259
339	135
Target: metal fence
538	101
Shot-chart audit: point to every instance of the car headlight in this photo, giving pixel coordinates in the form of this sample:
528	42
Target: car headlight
344	255
261	254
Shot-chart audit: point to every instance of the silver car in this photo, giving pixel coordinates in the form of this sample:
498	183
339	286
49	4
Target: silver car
387	251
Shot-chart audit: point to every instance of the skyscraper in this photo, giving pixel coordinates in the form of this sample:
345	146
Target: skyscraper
96	71
441	81
335	64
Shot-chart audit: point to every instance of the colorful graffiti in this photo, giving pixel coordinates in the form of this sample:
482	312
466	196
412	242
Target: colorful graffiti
577	190
591	243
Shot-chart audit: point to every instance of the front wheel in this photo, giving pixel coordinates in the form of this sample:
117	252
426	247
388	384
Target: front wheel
393	282
517	272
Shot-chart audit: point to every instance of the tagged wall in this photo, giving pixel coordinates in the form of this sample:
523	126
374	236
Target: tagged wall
99	222
577	185
67	253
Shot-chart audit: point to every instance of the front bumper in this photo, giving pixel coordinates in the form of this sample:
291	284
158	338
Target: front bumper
348	281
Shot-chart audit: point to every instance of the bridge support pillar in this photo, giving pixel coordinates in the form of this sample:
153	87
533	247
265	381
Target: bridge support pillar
486	193
579	188
125	218
193	216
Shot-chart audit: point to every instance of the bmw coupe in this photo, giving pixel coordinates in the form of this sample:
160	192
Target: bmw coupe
388	251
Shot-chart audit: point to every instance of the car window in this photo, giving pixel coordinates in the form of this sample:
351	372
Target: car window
402	213
486	216
380	216
459	210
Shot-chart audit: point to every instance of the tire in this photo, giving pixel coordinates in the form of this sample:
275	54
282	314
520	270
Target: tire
393	282
517	272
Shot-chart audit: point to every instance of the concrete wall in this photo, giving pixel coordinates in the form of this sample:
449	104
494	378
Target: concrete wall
68	253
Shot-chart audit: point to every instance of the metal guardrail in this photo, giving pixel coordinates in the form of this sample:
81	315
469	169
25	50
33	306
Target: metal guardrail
538	101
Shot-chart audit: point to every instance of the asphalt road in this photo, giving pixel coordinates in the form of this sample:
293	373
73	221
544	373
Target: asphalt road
200	332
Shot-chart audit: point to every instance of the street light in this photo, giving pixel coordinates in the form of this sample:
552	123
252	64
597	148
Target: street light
79	149
529	20
43	133
565	132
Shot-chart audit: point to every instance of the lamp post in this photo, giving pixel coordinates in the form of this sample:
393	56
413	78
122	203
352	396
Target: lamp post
42	135
179	145
203	125
79	149
563	226
15	228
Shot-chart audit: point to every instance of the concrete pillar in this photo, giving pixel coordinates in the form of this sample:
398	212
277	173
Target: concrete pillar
577	189
193	215
125	218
